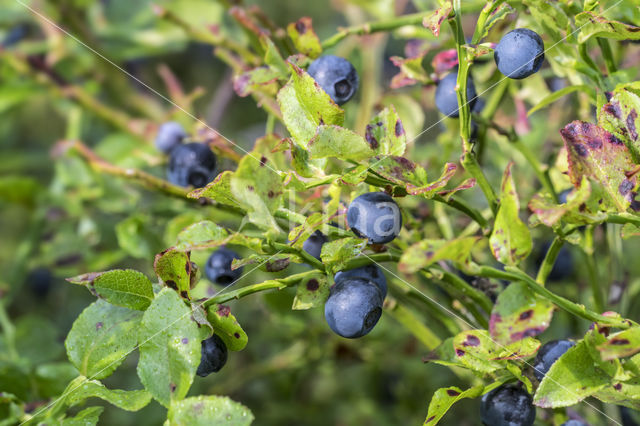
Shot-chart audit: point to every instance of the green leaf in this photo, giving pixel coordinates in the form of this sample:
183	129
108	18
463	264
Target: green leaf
87	417
253	80
137	237
495	15
305	106
208	410
219	190
626	393
311	292
37	339
338	142
335	254
82	388
573	377
597	154
304	38
427	252
174	268
385	133
444	398
227	327
479	352
554	96
122	287
594	25
621	344
510	240
101	337
550	17
19	189
258	189
519	313
204	234
169	348
620	117
435	20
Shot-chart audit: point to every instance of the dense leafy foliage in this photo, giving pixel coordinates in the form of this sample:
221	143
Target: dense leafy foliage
498	233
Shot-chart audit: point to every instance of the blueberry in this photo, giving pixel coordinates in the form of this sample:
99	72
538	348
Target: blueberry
507	406
191	164
170	135
336	76
353	308
562	268
548	354
519	54
562	197
447	98
313	244
214	356
15	35
375	216
574	422
39	282
627	417
218	267
369	272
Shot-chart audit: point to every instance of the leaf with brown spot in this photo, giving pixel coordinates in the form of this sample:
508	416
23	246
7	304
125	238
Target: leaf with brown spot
173	267
227	327
304	37
444	398
510	240
385	133
620	117
591	24
428	252
597	154
519	313
311	292
621	344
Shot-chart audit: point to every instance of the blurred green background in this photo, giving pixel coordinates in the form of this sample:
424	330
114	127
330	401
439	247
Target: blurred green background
58	217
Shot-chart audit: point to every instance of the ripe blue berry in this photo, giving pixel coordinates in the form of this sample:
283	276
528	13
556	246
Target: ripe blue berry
627	417
375	216
218	267
353	308
336	76
369	272
170	135
519	54
213	356
313	244
548	354
447	98
191	164
507	406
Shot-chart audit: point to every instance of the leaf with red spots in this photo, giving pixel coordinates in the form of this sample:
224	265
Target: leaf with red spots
594	25
174	269
620	117
385	133
625	393
510	240
227	327
443	61
304	37
444	398
621	345
475	350
258	78
435	20
519	313
597	154
305	106
428	252
311	292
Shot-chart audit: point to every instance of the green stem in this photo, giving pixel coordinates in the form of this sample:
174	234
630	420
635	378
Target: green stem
9	333
591	65
549	260
277	284
368	259
515	274
405	317
459	293
472	293
482	19
374	27
542	175
607	54
594	282
301	253
463	207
